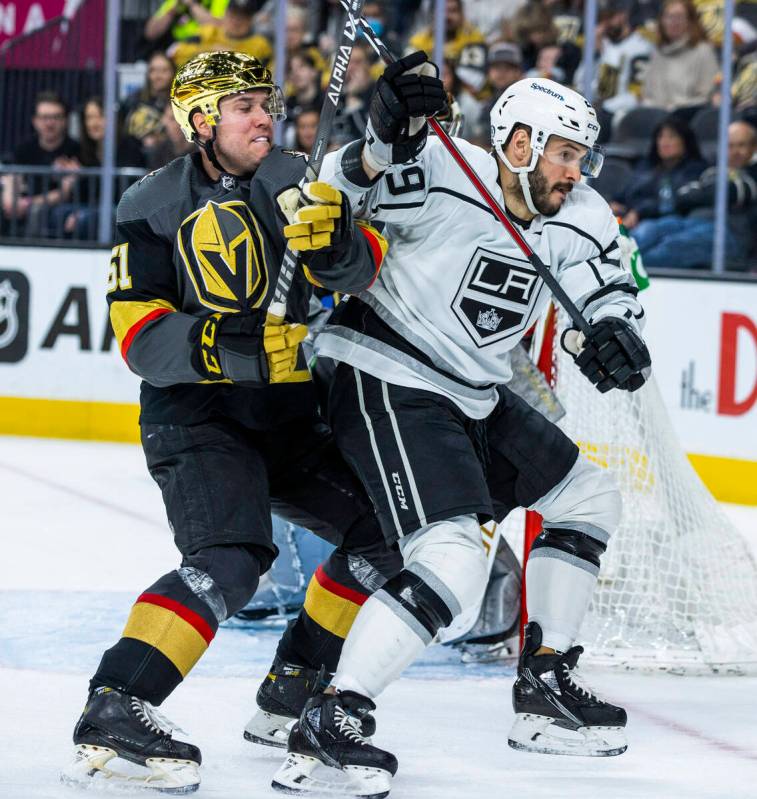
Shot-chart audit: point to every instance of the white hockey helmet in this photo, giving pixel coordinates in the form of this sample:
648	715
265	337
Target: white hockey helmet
549	109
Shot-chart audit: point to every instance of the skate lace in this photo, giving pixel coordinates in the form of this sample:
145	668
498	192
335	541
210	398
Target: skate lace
152	719
349	726
576	680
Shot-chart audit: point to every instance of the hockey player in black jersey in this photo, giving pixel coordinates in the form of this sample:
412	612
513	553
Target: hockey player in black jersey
228	418
420	408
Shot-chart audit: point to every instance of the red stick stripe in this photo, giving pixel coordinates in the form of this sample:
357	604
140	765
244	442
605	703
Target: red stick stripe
486	195
340	590
135	328
189	616
378	255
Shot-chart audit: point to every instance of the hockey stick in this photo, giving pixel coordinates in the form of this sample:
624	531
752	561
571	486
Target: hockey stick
557	290
353	10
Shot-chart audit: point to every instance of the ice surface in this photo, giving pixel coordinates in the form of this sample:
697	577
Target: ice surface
83	532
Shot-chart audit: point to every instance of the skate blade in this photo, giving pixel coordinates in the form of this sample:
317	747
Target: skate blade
90	768
300	774
268	729
532	733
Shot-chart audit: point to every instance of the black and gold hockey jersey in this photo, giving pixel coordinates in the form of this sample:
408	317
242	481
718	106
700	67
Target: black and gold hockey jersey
190	247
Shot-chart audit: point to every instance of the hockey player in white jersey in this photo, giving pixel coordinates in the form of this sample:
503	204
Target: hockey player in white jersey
420	408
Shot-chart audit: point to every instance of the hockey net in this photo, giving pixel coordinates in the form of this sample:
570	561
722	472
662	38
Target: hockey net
678	584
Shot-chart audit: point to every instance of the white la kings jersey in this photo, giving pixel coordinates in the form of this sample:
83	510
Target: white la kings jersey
455	294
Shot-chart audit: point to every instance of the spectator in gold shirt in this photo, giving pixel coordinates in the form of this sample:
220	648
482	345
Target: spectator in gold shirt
457	33
234	31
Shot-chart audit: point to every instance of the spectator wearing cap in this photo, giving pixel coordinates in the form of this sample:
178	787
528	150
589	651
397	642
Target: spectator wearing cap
458	33
178	20
683	66
685	240
30	198
623	59
235	31
504	66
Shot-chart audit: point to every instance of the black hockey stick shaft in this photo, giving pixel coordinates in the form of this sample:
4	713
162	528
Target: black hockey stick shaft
353	9
542	270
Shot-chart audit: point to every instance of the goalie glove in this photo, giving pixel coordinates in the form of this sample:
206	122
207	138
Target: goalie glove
243	350
613	356
406	94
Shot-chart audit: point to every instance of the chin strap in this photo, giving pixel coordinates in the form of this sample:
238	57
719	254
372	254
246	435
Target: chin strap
526	188
522	173
228	179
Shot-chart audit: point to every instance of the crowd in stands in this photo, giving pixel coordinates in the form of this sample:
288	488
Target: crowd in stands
656	86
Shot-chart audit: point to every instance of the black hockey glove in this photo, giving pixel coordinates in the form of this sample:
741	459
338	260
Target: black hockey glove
244	350
406	94
613	356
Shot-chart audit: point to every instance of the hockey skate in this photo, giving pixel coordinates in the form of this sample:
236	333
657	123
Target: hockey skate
328	753
555	713
281	698
116	725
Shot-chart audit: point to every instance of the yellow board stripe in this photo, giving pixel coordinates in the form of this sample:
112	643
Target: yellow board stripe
46	418
332	612
174	637
728	479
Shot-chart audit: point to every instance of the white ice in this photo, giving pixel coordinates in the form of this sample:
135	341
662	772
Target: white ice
83	532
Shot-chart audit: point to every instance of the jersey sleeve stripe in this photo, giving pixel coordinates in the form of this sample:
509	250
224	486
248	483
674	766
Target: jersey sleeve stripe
378	244
128	318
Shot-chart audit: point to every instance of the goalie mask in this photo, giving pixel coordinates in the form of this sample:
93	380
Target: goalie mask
201	84
549	109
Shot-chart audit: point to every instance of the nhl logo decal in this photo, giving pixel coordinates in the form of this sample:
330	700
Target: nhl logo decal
14	316
496	296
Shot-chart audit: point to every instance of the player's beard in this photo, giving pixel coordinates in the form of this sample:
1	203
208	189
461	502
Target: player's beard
541	191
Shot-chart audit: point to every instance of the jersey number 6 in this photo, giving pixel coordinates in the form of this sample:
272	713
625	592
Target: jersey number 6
412	180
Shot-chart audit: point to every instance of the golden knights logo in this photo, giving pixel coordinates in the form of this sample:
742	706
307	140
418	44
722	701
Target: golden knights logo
223	252
496	296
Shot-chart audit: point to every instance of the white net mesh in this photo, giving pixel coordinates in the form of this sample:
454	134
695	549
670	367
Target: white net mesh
678	583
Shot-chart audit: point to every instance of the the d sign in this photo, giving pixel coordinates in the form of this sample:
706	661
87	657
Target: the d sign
732	325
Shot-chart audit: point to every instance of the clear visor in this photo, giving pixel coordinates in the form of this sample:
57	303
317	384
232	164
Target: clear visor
275	105
588	160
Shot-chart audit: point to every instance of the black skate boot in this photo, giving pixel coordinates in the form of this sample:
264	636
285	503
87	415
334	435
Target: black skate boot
115	724
280	700
328	753
555	713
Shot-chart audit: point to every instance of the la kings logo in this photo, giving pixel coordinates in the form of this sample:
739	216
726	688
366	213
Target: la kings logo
14	316
496	296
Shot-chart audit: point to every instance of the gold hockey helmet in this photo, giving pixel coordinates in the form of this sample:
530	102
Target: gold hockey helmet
206	79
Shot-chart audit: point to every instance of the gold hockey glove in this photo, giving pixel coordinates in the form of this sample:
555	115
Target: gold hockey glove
282	348
322	224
